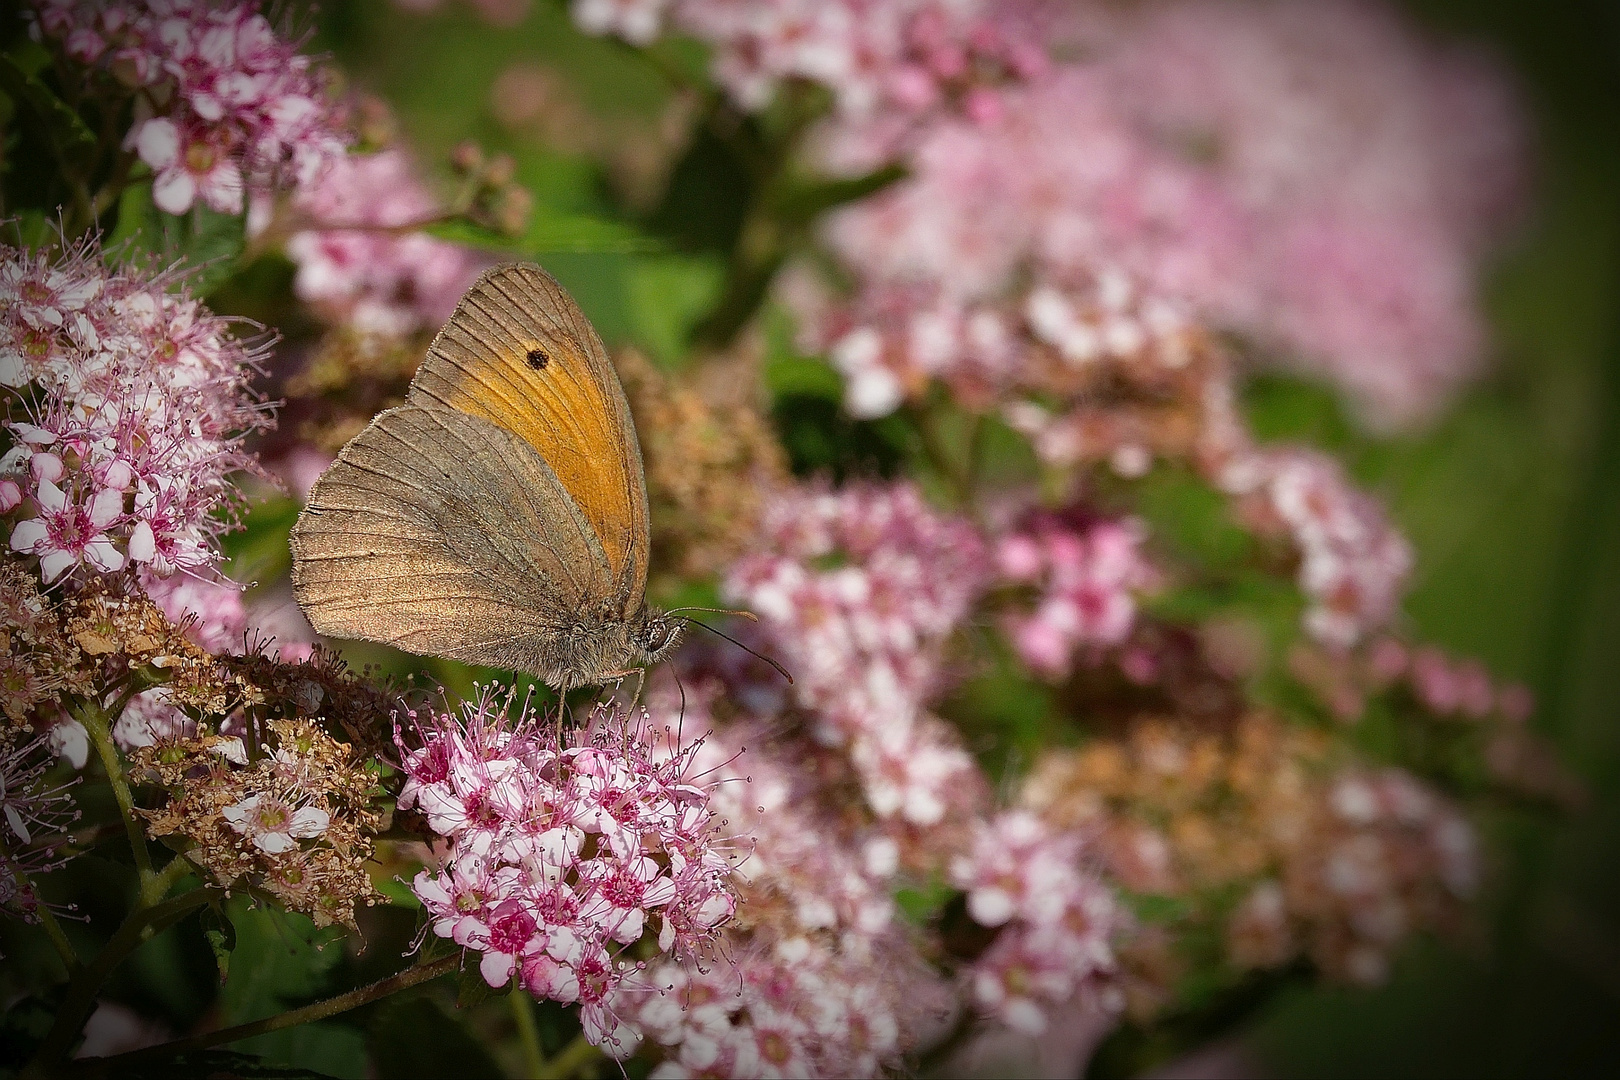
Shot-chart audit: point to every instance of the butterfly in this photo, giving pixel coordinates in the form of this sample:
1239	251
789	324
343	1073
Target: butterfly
498	517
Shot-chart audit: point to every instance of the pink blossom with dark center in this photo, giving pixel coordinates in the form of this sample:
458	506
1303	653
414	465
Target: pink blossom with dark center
127	404
566	852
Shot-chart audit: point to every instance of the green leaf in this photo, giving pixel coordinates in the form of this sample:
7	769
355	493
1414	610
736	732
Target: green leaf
206	242
65	132
667	297
412	1037
548	231
922	904
280	960
399	893
31	229
24	1025
258	552
471	989
335	1049
804	202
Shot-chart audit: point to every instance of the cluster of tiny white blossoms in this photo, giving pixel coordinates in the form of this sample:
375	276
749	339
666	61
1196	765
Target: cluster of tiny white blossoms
222	103
864	637
565	852
895	60
1353	562
1056	921
824	980
355	267
125	403
1087	574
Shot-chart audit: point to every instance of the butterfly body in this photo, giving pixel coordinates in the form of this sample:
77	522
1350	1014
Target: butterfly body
499	516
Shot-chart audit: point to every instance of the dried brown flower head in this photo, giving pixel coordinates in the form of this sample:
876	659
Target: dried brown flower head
292	814
711	460
1269	834
349	378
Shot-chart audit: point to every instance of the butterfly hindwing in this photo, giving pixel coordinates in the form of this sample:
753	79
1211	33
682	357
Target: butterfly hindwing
519	353
433	522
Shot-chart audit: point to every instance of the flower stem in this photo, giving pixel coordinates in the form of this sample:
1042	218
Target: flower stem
64	948
569	1060
320	1010
82	991
47	920
99	726
534	1059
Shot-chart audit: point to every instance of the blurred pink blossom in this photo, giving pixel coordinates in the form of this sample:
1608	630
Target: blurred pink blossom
891	62
222	102
1353	563
857	592
1315	177
1088	576
1056	922
357	266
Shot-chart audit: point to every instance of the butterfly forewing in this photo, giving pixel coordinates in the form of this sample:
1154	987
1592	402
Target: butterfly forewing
519	353
439	532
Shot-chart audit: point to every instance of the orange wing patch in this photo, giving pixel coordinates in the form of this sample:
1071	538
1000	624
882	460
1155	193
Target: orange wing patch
519	353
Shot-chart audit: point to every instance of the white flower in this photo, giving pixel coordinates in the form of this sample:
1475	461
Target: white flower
273	824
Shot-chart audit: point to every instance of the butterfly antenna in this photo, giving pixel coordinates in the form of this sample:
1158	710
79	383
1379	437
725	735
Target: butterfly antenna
749	615
780	670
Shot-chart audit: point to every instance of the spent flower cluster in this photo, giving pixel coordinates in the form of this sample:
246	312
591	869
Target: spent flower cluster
126	404
566	851
297	821
1331	858
223	104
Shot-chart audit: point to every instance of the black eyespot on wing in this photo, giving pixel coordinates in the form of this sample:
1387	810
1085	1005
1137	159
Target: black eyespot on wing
538	359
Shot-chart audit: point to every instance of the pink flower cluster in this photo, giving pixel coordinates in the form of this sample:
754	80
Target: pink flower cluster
1056	921
1310	176
223	103
889	60
1448	686
126	403
857	591
1353	563
824	980
566	851
356	265
1087	575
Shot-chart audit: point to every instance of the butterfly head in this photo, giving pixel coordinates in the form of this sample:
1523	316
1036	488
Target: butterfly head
659	634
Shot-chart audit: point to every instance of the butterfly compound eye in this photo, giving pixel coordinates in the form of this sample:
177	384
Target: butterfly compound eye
538	359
